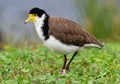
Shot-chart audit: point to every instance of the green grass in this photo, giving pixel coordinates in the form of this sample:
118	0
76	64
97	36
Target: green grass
41	66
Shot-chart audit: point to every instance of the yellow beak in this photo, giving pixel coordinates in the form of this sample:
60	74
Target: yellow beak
30	18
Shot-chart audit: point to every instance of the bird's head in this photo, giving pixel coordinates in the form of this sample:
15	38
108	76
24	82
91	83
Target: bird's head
35	13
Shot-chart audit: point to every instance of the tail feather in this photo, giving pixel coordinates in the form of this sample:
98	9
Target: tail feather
93	42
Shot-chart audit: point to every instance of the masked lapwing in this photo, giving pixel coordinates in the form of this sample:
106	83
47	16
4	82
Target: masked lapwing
61	35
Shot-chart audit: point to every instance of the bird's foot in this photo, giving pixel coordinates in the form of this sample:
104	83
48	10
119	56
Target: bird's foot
63	74
67	68
63	71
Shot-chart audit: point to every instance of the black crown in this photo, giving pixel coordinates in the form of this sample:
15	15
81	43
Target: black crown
37	11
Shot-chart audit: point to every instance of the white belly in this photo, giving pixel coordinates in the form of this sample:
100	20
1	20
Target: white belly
58	47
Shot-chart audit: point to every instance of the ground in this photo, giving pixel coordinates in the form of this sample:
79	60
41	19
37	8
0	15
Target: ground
41	66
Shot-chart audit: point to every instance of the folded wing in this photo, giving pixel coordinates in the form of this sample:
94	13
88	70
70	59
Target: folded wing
71	33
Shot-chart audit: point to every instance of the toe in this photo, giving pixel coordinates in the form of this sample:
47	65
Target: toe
63	71
67	68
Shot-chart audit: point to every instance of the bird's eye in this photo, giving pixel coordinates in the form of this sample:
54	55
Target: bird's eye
35	14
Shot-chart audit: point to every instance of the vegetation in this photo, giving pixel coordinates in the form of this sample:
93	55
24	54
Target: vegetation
100	17
41	66
90	66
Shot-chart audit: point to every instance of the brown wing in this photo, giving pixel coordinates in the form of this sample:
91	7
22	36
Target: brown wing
70	32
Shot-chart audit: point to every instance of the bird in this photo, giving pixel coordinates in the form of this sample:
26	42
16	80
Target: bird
61	35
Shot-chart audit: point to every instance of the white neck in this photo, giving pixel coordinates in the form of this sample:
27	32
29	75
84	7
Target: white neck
39	22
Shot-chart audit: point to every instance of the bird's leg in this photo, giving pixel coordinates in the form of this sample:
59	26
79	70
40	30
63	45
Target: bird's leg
67	67
65	61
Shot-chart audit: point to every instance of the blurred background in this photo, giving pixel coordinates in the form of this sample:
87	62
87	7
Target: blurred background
99	17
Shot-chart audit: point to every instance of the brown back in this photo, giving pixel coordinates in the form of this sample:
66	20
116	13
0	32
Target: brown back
70	32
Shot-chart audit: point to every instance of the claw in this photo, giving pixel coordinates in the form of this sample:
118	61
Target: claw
67	68
62	72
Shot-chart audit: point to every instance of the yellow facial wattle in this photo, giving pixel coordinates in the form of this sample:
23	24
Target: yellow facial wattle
30	18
